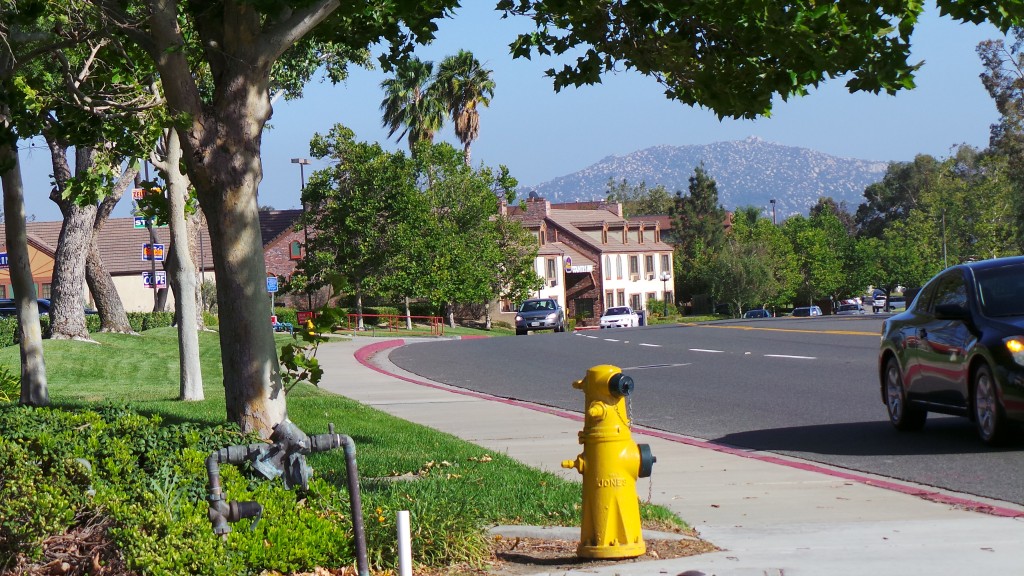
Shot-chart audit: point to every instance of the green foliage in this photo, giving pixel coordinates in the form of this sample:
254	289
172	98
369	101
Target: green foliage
639	200
210	319
735	60
286	314
141	321
10	384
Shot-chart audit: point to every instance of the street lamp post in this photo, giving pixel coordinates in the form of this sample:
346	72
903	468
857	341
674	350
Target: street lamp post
303	162
664	293
773	209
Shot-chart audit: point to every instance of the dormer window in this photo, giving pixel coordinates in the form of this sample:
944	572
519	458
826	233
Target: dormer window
295	250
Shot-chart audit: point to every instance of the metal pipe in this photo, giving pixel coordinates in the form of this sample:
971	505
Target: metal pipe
330	441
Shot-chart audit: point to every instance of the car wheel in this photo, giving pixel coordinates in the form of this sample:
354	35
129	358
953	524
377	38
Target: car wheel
902	415
988	413
520	332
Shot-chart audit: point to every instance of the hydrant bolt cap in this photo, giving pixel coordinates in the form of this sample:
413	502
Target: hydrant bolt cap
647	461
620	385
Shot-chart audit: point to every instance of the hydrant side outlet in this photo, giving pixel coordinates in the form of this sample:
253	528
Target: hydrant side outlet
611	511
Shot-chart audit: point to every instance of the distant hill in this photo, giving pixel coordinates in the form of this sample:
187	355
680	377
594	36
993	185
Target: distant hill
748	172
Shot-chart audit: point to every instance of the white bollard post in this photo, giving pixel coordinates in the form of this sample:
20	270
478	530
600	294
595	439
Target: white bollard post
404	544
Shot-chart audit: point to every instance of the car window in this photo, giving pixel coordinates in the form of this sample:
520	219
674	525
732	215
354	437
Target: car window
616	312
950	289
1000	291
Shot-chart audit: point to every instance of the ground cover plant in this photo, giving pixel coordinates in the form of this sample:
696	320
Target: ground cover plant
118	455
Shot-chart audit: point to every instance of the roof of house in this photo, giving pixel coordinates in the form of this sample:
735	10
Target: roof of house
120	243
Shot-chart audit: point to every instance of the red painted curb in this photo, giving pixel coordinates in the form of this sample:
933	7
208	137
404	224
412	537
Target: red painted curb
364	354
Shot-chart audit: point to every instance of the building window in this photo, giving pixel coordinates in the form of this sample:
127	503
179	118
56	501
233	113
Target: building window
551	271
651	297
621	297
618	267
649	264
664	263
295	251
634	265
634	302
506	305
46	291
609	299
543	237
607	267
668	297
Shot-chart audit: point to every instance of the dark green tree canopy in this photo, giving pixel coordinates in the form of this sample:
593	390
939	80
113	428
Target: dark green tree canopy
736	57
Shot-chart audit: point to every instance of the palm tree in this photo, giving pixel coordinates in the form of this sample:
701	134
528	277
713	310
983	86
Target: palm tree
409	105
463	84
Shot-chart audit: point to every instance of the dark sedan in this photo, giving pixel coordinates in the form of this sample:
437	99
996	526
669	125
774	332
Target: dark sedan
959	349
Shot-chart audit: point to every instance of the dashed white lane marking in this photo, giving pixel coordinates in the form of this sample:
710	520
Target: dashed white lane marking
610	340
593	337
651	345
790	357
648	366
703	350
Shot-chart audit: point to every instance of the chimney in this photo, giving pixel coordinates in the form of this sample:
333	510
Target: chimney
613	207
537	208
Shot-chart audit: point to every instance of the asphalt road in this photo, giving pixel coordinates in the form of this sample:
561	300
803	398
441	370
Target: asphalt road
806	387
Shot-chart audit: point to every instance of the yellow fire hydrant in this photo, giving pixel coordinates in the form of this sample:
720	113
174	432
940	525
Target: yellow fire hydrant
610	463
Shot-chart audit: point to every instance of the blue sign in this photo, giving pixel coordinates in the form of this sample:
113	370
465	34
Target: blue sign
271	284
3	260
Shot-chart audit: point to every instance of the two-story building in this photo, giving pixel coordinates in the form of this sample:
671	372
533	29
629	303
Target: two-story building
592	258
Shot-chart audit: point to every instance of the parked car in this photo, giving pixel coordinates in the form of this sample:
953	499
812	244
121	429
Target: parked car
9	308
807	311
757	313
850	310
959	349
896	303
878	303
619	317
540	314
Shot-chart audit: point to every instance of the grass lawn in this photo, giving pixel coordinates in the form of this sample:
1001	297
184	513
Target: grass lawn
458	487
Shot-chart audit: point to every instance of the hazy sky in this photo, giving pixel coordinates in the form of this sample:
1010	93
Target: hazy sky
541	135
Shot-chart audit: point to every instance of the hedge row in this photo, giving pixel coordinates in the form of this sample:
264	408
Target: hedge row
139	321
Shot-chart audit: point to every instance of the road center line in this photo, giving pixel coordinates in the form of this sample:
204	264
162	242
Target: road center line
651	345
791	357
610	340
703	350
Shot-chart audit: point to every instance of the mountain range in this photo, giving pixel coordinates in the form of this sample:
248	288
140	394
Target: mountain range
748	172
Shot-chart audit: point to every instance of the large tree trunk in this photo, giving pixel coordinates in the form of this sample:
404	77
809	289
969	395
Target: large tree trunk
221	145
113	317
67	315
182	273
30	336
193	225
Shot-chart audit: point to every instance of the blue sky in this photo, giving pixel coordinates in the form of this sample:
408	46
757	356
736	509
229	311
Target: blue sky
541	135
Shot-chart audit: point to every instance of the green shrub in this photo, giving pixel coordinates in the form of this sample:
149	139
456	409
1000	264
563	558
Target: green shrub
210	319
285	314
142	321
8	331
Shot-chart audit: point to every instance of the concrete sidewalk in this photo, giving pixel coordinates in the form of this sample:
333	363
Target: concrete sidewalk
769	514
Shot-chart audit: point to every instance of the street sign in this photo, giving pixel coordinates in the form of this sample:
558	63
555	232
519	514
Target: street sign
161	279
154	253
568	263
138	193
3	260
140	222
271	284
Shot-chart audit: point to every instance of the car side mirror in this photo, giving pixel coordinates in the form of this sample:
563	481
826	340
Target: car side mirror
952	312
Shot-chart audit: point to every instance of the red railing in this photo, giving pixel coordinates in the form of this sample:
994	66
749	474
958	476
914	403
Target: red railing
393	322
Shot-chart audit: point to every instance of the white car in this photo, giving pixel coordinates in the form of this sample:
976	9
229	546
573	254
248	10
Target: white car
619	317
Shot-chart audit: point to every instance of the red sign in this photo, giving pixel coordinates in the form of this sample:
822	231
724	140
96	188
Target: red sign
303	316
